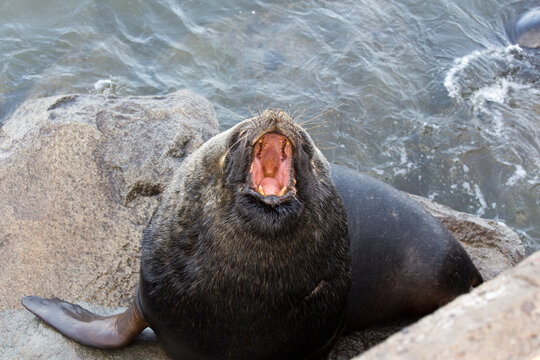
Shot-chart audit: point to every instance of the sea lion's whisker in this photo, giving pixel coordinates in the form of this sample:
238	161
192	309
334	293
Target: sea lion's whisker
229	110
260	110
253	113
328	148
320	124
236	142
319	133
294	114
325	147
297	119
318	116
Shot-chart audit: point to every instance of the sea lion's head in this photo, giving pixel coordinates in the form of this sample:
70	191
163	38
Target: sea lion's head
274	170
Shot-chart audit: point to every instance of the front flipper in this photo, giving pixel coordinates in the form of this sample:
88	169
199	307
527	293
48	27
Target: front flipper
105	332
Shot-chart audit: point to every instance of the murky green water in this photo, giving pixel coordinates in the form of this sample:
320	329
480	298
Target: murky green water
429	96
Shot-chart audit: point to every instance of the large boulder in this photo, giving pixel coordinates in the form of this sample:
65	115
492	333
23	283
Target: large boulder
77	175
80	176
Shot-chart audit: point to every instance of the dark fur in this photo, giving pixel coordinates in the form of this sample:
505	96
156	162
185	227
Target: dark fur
404	262
224	275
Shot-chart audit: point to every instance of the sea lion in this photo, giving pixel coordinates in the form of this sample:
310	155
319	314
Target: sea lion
527	30
249	254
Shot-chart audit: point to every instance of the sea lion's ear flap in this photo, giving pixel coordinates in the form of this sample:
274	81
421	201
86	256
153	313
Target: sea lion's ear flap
79	324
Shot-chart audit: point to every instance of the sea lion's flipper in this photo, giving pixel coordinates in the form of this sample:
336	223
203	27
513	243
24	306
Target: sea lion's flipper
79	324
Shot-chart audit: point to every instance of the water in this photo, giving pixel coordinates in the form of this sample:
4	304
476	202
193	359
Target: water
429	96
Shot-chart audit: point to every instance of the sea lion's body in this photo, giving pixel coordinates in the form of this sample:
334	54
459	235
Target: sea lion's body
245	279
404	262
249	254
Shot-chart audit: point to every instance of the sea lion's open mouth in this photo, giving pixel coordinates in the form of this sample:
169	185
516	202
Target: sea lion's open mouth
271	167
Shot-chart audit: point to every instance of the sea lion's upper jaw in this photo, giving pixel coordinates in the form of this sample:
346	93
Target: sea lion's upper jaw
271	176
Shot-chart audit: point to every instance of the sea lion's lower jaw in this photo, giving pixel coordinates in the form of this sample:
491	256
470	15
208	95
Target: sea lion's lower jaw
272	200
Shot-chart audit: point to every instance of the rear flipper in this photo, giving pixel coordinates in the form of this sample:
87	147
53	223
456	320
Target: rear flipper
104	332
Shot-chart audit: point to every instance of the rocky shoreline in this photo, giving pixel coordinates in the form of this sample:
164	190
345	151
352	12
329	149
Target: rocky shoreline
80	176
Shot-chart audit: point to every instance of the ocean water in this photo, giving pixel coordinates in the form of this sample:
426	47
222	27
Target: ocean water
432	97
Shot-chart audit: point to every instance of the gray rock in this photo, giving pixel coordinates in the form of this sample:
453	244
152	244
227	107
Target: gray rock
76	178
80	176
499	320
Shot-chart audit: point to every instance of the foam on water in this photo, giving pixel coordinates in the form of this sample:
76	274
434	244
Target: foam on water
450	82
405	165
105	86
480	198
455	85
496	93
519	174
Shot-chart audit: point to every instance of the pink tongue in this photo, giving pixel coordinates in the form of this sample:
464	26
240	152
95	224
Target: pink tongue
270	186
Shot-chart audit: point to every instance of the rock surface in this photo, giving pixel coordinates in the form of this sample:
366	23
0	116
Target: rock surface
79	178
76	173
499	320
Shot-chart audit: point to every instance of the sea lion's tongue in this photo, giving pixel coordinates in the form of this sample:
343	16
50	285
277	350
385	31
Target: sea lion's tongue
271	186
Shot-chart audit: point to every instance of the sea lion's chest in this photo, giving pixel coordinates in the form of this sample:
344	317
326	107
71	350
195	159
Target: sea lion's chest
250	301
255	281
